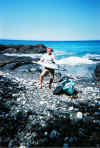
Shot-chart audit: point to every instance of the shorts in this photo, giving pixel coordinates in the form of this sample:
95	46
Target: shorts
48	70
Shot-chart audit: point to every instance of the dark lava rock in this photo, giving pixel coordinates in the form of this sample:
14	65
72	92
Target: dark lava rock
9	122
97	72
5	59
39	48
13	62
95	58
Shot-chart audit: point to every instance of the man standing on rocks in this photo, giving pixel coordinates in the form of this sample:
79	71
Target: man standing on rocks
49	59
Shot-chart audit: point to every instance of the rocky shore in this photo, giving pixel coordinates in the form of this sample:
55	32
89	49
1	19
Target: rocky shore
34	117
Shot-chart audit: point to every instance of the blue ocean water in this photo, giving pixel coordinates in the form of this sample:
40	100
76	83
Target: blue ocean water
74	57
64	49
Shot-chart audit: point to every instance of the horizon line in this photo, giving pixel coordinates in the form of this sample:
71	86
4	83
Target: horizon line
48	40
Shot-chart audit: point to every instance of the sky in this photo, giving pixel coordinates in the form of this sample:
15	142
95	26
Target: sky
50	19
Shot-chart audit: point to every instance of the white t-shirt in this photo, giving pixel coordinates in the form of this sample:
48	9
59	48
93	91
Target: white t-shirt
50	59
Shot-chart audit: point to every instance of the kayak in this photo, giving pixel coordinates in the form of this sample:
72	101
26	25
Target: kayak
51	66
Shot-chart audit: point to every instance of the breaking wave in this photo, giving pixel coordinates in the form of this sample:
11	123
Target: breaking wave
72	65
75	61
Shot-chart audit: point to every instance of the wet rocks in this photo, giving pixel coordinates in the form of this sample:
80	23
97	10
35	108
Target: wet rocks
95	58
12	63
39	48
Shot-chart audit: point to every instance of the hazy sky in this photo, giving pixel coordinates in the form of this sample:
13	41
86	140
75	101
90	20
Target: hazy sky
50	19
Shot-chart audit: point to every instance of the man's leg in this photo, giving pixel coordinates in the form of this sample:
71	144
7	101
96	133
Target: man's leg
42	76
51	78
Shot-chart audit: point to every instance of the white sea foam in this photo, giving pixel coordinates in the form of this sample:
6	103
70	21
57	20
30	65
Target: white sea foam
56	53
75	66
23	55
91	55
72	60
75	61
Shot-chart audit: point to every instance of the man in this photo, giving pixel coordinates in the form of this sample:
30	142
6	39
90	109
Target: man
49	59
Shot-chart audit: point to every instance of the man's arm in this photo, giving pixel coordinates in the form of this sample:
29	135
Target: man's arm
41	60
33	62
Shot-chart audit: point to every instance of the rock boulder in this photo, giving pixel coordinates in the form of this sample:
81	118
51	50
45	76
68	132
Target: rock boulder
97	71
38	48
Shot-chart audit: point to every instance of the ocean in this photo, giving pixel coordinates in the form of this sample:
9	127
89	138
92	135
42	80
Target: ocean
77	57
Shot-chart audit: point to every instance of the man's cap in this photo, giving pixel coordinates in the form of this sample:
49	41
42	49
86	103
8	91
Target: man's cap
49	48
